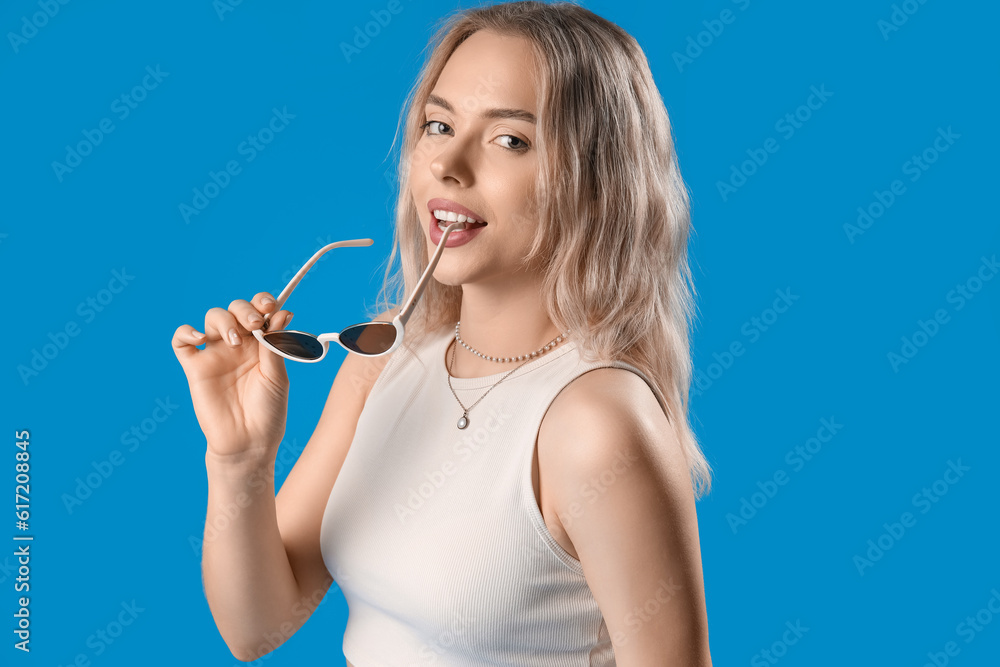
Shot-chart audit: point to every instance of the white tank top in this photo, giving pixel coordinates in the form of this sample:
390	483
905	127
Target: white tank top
434	535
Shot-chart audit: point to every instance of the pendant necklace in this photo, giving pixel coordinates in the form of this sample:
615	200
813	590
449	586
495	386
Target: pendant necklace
463	421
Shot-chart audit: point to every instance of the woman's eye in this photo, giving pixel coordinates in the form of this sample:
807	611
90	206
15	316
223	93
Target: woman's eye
426	126
516	143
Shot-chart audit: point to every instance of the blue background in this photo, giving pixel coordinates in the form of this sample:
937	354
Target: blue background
328	175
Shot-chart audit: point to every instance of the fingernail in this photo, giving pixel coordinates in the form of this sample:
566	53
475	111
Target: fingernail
234	337
290	316
254	318
266	301
197	334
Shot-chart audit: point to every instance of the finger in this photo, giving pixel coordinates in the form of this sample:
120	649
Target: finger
272	365
185	341
264	302
267	304
246	314
220	324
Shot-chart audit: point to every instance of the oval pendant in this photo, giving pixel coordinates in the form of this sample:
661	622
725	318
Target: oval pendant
463	421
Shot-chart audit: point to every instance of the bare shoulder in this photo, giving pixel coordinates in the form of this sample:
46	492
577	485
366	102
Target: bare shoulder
610	403
608	419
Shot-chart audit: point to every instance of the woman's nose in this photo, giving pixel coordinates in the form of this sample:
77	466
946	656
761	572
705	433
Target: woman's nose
453	162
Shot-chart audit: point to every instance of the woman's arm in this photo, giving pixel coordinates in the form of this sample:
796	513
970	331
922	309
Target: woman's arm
616	475
262	568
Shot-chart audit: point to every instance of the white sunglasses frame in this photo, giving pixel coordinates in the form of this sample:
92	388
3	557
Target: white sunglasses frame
399	321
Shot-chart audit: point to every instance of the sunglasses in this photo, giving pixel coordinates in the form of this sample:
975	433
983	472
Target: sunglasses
370	339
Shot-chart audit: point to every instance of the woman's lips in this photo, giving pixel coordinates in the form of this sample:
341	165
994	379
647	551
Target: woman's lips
441	204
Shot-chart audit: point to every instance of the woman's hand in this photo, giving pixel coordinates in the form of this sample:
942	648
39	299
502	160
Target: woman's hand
238	387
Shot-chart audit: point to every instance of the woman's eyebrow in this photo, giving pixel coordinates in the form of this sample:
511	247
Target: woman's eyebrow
515	114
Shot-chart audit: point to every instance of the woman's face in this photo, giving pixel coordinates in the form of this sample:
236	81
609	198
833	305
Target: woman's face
478	151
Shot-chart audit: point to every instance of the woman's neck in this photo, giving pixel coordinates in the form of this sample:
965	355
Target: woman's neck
508	322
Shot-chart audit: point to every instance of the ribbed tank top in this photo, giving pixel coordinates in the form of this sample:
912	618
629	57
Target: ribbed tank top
434	535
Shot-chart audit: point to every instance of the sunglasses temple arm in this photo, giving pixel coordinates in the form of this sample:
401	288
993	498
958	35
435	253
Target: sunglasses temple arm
285	293
407	309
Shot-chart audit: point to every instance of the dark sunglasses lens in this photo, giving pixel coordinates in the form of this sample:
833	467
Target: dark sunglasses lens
371	338
301	345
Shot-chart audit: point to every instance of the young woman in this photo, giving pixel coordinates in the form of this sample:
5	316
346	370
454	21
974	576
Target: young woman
515	484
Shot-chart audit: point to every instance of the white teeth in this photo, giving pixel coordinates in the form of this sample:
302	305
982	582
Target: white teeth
451	216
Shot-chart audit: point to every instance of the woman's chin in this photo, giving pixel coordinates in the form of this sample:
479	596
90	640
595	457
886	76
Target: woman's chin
451	280
456	276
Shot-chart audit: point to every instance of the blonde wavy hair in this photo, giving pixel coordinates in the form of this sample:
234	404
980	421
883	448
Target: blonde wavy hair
613	211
